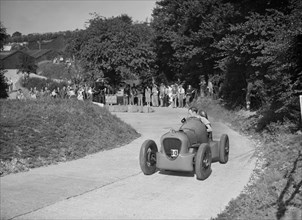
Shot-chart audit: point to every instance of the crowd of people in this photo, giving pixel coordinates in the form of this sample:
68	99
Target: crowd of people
173	95
170	95
81	92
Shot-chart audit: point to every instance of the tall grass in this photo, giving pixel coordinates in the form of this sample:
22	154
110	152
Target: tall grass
41	132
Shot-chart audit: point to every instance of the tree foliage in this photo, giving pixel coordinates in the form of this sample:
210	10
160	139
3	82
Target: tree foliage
185	31
114	48
234	42
265	49
3	83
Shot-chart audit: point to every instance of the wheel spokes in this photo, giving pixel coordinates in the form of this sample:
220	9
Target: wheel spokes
206	162
151	157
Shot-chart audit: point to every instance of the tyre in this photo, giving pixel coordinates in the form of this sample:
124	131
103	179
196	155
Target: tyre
147	157
203	162
224	149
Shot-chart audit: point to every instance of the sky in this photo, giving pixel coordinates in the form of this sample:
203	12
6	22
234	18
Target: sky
42	16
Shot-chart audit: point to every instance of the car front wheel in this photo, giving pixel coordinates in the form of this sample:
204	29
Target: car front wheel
147	157
203	162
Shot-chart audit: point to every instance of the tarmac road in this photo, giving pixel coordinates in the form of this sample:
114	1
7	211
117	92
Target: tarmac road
110	184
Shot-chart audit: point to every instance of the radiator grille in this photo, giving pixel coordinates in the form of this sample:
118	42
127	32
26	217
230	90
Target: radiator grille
171	144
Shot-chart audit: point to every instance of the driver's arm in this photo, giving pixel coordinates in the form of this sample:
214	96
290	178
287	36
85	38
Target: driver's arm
207	123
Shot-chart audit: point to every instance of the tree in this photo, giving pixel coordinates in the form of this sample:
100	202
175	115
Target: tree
3	83
113	48
265	48
16	34
184	32
27	66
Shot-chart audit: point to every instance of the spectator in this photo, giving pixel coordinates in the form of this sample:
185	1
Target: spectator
126	94
189	95
162	90
181	96
10	84
210	89
202	85
148	95
154	96
63	92
46	92
32	94
89	93
54	94
20	95
169	95
80	95
174	94
140	96
132	94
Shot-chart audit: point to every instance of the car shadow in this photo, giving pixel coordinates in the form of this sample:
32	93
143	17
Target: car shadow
176	173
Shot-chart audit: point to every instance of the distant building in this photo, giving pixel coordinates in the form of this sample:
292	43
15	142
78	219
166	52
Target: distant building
7	47
42	55
56	44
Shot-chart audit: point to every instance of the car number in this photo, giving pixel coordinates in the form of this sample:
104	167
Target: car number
174	152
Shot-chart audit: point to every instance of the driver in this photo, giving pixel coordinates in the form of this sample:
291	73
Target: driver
193	112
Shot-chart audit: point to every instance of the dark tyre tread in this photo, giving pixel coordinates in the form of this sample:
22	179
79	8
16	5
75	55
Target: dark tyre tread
147	157
203	162
224	149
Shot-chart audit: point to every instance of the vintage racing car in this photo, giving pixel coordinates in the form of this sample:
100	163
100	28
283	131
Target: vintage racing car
188	149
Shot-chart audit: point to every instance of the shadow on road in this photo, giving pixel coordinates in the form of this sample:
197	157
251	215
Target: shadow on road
176	173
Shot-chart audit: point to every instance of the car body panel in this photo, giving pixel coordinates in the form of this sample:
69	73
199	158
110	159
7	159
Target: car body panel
184	162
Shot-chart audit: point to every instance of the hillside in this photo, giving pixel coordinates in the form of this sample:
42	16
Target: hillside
274	189
38	133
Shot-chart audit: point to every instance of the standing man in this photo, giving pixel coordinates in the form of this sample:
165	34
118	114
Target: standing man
148	95
139	96
162	89
174	94
210	89
154	96
189	94
181	96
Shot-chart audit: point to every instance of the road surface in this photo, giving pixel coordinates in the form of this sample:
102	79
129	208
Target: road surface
110	184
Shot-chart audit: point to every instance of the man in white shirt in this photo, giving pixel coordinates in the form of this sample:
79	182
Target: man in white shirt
181	96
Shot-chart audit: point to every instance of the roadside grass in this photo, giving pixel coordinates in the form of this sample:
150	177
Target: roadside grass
36	133
274	189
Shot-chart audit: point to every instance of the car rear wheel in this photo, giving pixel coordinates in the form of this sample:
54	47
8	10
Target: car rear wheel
203	162
147	157
224	149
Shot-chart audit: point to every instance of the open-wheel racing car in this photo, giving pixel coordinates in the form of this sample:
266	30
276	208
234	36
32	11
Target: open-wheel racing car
189	149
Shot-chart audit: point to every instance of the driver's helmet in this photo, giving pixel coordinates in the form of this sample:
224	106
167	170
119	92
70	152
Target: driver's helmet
203	113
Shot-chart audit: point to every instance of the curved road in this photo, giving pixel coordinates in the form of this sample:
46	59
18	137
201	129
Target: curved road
110	184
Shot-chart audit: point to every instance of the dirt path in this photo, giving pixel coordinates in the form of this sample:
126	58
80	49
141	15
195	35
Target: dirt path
110	184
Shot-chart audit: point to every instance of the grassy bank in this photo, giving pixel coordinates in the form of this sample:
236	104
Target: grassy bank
36	133
274	190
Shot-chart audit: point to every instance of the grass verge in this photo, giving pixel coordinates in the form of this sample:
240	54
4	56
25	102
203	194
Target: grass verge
274	189
36	133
